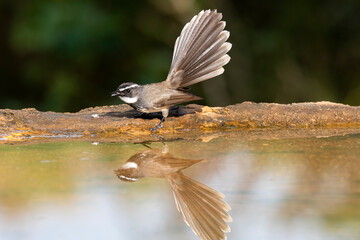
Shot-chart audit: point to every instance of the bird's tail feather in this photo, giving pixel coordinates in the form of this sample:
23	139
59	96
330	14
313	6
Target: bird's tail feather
202	207
200	51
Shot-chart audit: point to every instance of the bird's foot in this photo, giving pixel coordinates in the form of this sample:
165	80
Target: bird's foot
158	126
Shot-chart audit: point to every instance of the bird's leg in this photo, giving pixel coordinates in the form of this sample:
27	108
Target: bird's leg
165	148
159	125
165	113
146	144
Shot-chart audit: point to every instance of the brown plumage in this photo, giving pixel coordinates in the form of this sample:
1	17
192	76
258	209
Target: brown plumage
200	50
201	207
200	53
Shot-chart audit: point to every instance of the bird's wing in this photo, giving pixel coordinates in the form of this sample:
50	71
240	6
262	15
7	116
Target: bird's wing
200	50
201	207
175	97
178	164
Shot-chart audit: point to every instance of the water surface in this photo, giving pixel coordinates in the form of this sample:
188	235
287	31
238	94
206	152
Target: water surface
293	188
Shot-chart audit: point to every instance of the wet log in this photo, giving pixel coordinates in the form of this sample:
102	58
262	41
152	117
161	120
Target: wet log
121	123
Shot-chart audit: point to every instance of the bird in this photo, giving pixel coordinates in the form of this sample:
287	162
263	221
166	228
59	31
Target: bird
202	208
200	53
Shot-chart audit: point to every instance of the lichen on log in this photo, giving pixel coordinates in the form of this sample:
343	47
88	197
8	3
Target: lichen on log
121	123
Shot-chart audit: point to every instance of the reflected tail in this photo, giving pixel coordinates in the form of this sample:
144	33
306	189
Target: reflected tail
201	207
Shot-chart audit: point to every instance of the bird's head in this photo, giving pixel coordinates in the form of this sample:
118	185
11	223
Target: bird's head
129	172
128	92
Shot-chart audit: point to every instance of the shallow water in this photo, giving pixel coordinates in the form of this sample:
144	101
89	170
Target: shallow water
295	188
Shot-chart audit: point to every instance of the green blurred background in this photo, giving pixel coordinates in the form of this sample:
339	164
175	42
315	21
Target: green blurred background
68	55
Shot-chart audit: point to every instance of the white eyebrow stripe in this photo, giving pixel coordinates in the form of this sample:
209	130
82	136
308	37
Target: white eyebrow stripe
130	165
131	86
128	178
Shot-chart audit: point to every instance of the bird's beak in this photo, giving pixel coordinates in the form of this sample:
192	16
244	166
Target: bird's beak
114	94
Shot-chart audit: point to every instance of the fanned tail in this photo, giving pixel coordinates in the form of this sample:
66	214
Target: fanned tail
201	207
200	51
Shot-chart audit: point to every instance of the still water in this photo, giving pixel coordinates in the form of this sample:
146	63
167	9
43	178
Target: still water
287	188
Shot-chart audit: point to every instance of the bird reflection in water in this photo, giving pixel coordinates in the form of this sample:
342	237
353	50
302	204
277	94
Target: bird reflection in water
201	207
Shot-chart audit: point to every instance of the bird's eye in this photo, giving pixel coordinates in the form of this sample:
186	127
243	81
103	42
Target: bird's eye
127	90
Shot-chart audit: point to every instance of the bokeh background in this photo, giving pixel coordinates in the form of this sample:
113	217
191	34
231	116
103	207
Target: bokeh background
68	55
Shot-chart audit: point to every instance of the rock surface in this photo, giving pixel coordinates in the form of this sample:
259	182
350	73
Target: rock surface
121	123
